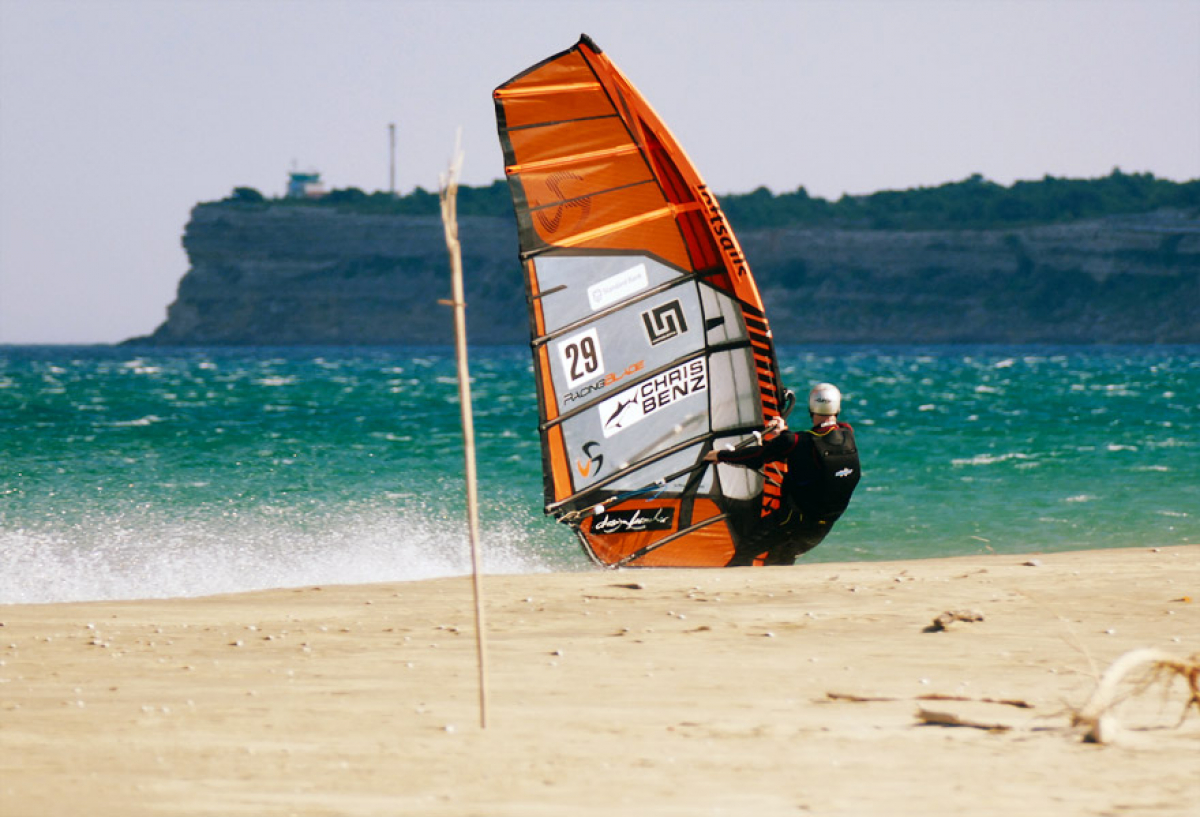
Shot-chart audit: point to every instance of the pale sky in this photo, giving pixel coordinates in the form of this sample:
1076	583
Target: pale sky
118	116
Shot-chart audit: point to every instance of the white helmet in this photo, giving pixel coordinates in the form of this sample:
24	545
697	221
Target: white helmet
825	399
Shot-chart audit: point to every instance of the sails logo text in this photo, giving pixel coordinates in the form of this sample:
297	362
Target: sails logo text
723	232
603	382
633	405
634	521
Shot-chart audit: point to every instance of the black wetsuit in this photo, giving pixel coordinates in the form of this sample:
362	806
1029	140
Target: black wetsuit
822	472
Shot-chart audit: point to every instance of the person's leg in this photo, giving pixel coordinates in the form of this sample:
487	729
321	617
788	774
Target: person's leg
797	541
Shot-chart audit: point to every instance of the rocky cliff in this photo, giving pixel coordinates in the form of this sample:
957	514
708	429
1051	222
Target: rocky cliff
274	274
1120	279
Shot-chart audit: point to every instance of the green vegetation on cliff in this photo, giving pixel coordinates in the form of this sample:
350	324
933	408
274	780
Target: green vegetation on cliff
494	201
974	203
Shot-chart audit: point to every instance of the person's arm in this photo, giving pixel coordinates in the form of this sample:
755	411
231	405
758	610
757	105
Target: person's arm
755	456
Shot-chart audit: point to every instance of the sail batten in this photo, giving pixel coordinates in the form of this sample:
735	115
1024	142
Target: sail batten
561	122
666	540
572	160
578	199
541	340
649	339
615	227
632	382
535	90
649	463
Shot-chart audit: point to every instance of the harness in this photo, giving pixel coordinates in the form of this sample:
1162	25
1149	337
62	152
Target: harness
838	468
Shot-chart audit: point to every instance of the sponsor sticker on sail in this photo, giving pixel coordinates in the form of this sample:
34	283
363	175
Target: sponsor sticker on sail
636	403
618	287
664	322
581	357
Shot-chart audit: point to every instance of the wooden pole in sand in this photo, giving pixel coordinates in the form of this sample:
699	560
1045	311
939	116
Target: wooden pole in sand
448	193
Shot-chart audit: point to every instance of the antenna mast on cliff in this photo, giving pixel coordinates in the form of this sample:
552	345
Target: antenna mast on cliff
392	159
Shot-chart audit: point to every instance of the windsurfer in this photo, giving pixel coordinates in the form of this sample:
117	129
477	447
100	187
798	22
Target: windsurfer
822	472
653	280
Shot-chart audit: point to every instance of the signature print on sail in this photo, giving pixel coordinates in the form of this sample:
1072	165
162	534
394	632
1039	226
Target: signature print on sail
635	521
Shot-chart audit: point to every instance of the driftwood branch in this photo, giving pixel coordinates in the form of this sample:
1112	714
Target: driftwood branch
935	718
1134	672
448	192
932	696
1097	717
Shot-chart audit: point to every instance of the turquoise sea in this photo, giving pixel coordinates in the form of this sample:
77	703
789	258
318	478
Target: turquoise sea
138	473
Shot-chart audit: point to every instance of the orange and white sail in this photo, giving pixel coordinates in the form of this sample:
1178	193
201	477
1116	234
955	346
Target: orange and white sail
649	339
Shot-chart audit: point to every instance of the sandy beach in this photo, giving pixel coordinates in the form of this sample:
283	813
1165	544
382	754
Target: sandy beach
820	689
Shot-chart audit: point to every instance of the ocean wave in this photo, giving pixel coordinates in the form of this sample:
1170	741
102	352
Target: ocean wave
141	422
990	459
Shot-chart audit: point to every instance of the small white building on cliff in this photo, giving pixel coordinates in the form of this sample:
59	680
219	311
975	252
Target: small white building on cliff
305	184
